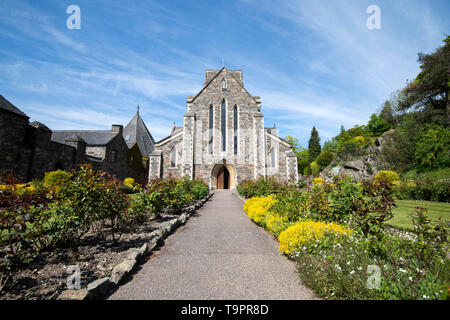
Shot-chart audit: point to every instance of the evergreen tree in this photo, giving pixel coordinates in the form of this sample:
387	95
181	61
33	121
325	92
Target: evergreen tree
314	145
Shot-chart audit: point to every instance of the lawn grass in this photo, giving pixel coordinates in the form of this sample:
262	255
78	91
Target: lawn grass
402	219
430	174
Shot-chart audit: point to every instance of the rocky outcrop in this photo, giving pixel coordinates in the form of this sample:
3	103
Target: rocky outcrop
360	169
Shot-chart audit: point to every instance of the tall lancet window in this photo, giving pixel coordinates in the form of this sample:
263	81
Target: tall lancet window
235	124
224	125
272	157
173	158
224	84
211	130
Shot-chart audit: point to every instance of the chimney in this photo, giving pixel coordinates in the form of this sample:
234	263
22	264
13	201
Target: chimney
117	128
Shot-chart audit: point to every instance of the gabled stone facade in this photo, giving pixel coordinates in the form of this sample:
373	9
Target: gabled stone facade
31	149
223	140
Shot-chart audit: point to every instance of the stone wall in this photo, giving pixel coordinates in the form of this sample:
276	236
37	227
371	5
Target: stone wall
47	155
13	129
28	150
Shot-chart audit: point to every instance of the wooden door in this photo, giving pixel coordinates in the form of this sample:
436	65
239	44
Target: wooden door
223	178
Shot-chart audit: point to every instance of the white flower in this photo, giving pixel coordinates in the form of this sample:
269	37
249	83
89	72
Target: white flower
352	272
402	270
410	278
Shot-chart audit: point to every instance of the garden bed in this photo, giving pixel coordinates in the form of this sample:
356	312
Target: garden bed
45	278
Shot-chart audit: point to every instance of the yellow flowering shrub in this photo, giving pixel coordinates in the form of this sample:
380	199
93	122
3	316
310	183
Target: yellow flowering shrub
388	175
307	232
4	187
257	208
18	188
318	181
129	182
276	223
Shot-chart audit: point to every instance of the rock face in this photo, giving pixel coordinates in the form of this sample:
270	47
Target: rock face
361	169
73	295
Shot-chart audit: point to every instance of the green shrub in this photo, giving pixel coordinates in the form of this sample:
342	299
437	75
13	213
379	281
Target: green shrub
199	190
56	179
292	204
138	210
173	194
89	197
441	190
315	168
260	188
325	158
345	198
432	148
424	189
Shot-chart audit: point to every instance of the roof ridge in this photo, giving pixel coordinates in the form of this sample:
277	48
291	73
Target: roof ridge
5	104
207	84
213	78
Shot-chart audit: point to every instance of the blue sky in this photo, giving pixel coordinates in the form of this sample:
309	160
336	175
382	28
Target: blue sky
312	62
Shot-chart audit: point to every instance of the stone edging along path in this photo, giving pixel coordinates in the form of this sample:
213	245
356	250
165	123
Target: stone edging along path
103	287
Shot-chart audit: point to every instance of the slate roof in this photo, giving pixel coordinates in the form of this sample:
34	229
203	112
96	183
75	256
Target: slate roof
92	137
136	132
6	105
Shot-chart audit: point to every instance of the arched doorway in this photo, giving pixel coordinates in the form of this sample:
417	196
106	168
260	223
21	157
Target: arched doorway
223	178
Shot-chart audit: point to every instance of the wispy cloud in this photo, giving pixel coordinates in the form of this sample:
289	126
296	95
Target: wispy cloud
312	62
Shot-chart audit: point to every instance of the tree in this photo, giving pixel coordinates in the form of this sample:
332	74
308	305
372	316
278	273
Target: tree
387	113
377	125
314	147
432	147
325	158
294	142
430	90
331	145
302	159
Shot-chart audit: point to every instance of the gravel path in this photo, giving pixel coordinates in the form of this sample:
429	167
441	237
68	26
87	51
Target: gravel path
218	254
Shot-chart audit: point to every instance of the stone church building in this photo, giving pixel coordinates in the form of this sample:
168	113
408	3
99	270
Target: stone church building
223	140
31	149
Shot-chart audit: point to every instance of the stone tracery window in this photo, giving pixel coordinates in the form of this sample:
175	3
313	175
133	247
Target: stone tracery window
211	129
272	157
173	158
224	125
235	120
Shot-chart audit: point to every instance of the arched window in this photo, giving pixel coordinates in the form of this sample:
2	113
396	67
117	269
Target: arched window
211	129
235	124
272	157
224	84
224	125
173	158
